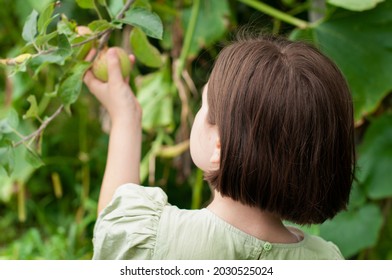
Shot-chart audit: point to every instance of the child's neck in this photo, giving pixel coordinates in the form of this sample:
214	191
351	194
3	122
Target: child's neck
253	221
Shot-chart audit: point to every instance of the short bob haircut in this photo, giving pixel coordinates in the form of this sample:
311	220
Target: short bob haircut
285	119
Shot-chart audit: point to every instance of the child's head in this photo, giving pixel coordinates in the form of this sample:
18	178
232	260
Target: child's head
284	118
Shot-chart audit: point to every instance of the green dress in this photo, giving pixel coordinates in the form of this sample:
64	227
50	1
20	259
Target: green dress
140	224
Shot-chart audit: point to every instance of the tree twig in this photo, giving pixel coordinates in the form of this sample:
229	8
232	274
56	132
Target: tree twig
92	38
106	36
262	7
41	128
124	9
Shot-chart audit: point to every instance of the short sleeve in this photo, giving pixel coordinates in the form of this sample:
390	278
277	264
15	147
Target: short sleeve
127	227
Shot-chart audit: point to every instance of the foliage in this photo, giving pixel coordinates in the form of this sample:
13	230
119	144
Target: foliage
52	149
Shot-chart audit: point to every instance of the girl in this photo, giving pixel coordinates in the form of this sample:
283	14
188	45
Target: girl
274	137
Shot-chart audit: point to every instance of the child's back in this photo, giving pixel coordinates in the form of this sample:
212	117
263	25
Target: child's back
139	224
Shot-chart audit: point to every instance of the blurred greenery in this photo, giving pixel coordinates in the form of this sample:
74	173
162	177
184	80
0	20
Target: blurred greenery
52	141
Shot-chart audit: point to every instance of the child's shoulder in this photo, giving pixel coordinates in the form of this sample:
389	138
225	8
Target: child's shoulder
310	247
127	227
317	246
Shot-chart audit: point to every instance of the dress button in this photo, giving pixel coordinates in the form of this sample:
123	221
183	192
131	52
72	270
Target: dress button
267	246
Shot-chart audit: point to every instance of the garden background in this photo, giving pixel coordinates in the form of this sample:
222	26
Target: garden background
53	139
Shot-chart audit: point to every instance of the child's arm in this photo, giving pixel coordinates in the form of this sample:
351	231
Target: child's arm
123	161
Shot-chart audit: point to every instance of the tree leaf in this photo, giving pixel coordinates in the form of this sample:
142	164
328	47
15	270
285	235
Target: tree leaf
354	230
64	47
33	159
155	95
45	38
22	169
71	85
45	18
67	27
30	27
6	185
357	196
145	4
100	25
360	43
37	5
32	112
148	21
63	51
212	23
102	2
10	122
375	158
7	155
143	50
47	58
86	4
355	5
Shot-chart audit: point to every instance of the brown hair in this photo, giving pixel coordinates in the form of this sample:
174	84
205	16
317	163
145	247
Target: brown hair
285	120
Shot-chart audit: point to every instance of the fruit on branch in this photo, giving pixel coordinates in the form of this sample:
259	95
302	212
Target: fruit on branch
83	34
100	66
83	30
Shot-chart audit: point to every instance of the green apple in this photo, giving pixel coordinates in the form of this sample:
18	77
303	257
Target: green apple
100	66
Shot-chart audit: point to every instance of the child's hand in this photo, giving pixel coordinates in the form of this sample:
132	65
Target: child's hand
115	95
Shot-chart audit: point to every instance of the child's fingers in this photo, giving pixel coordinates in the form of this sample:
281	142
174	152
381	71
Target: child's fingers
93	84
90	55
132	59
114	67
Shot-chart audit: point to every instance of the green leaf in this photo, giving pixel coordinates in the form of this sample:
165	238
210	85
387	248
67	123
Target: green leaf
71	85
155	95
212	23
355	5
33	159
81	51
45	18
32	112
64	47
375	158
47	58
7	155
143	50
6	188
357	196
67	27
10	122
306	35
37	5
86	4
30	27
354	230
100	25
22	170
360	44
148	21
145	4
63	51
43	39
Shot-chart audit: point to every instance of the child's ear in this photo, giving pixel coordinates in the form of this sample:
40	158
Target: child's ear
215	157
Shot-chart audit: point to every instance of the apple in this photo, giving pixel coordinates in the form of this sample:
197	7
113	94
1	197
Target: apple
83	30
83	33
100	66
